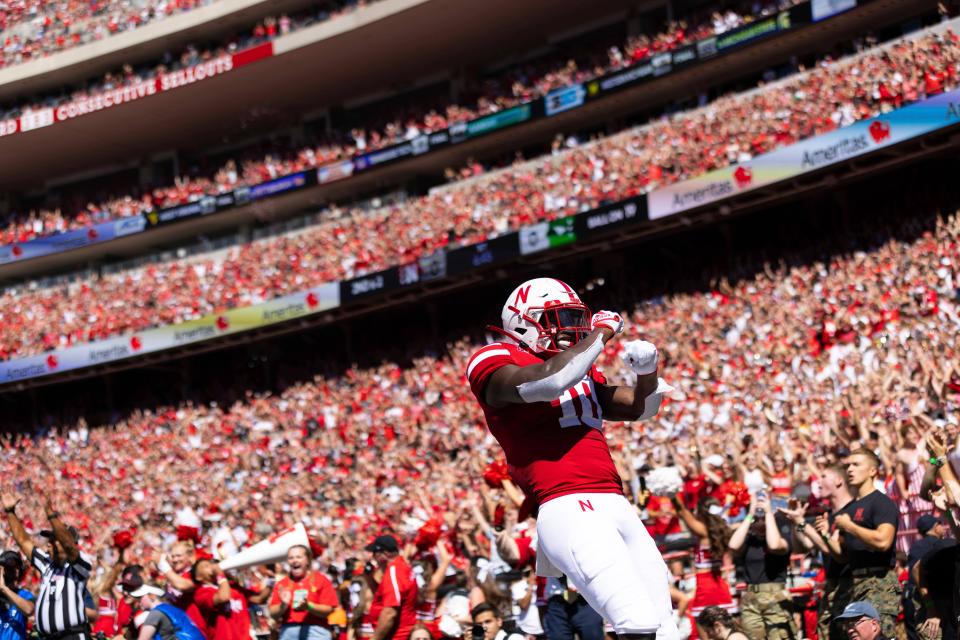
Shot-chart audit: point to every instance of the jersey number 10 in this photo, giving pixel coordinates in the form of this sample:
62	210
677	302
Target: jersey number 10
578	406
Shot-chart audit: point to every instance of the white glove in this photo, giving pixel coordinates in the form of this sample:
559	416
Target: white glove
607	320
641	356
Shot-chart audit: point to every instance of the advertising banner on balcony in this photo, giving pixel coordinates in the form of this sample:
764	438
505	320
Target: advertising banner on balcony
289	307
71	239
808	155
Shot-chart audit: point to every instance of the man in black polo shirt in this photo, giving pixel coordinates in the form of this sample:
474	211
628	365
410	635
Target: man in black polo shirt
868	531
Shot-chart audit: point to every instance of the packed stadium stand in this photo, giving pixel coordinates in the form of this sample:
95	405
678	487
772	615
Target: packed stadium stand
268	315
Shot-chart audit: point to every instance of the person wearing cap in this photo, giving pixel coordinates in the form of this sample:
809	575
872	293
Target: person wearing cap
16	603
394	606
303	599
938	581
60	612
224	609
867	534
933	532
156	618
860	620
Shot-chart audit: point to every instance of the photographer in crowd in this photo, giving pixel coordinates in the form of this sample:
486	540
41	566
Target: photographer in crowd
18	603
488	625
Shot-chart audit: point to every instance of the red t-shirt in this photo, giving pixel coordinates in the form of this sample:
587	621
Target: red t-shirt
228	621
114	615
315	588
397	589
184	601
552	448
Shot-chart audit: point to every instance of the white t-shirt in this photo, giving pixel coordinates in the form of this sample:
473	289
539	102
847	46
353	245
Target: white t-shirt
527	619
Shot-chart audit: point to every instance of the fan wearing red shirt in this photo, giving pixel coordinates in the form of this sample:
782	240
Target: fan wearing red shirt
224	609
180	587
394	605
544	401
303	599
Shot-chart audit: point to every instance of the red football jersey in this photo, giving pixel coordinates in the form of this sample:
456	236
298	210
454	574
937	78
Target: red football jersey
228	621
552	448
397	589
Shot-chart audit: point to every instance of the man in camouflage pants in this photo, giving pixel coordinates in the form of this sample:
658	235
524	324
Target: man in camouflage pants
761	544
766	611
822	536
868	531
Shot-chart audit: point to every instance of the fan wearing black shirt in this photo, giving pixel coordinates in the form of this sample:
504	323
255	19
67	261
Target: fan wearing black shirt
761	545
823	537
868	530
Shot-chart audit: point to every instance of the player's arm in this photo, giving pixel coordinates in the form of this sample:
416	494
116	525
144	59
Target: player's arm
626	403
545	382
642	400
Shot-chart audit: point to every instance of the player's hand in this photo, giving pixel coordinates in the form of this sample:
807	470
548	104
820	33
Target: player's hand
641	356
609	322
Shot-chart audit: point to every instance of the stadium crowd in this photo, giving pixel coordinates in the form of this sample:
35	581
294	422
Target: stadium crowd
779	377
33	29
397	122
355	241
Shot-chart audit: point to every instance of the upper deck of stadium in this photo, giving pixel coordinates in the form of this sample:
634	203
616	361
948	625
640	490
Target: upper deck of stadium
360	53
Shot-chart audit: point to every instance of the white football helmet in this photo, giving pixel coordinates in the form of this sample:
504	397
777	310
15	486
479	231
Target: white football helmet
546	315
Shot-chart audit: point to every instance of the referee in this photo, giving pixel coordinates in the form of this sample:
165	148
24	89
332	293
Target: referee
59	613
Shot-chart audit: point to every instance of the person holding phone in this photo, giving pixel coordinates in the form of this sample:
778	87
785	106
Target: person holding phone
761	546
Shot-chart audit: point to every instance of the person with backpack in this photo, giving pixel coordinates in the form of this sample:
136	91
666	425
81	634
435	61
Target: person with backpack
159	619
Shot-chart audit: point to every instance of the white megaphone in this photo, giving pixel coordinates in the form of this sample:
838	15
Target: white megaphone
272	549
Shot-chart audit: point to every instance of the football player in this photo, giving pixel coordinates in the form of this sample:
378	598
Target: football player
544	402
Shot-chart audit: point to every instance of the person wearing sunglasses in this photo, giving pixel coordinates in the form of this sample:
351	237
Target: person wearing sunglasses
860	621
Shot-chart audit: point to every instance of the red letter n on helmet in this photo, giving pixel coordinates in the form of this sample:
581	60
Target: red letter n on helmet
522	294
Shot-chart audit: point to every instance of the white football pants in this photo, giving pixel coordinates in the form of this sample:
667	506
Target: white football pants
598	541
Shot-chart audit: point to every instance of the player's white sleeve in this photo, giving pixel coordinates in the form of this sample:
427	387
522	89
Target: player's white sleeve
651	404
573	372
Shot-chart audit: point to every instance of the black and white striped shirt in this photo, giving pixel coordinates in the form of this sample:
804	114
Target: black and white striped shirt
62	587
